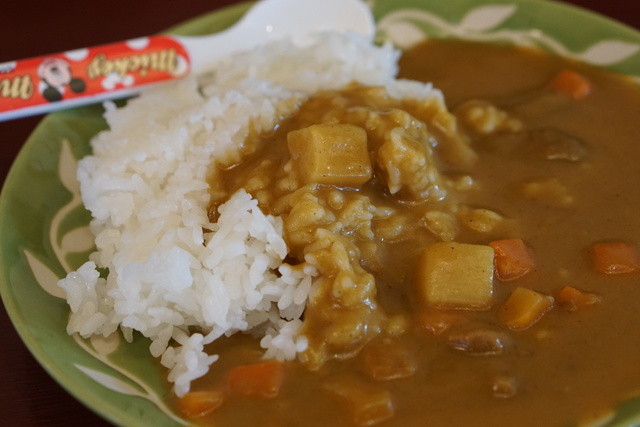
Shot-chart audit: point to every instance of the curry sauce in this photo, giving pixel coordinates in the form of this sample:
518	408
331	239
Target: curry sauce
511	157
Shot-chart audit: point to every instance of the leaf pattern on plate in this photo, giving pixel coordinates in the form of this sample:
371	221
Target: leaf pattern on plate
67	167
404	34
485	23
105	345
80	239
485	18
145	391
46	278
77	240
109	382
609	52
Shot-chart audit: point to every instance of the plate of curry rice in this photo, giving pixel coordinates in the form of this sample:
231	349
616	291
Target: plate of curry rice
436	228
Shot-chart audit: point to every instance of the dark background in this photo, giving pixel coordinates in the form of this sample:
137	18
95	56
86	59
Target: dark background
28	396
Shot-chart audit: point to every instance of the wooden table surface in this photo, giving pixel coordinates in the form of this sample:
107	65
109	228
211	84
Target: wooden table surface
28	396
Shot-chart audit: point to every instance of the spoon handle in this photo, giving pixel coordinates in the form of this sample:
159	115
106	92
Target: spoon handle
84	76
90	75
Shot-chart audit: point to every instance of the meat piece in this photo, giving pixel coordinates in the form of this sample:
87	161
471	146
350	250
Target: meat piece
436	322
555	145
481	342
504	386
543	144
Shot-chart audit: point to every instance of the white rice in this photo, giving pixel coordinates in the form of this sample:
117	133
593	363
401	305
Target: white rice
146	187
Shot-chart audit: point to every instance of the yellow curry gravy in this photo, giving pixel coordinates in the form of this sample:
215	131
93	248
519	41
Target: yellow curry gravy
513	159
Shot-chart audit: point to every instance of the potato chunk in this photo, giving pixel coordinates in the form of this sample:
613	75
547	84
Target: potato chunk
331	154
369	404
388	359
456	275
523	308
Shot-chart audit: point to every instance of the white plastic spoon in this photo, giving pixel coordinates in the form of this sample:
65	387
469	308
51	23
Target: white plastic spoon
90	75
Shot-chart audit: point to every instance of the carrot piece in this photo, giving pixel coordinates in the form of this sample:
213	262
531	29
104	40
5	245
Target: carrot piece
197	404
257	380
615	258
572	299
435	322
513	259
571	83
523	308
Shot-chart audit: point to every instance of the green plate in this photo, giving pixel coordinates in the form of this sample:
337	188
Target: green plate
45	229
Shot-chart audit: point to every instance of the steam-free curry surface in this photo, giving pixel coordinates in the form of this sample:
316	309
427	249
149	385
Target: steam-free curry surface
515	158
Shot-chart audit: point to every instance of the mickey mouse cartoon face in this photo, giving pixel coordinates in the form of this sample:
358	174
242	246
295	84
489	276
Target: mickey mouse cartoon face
55	74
